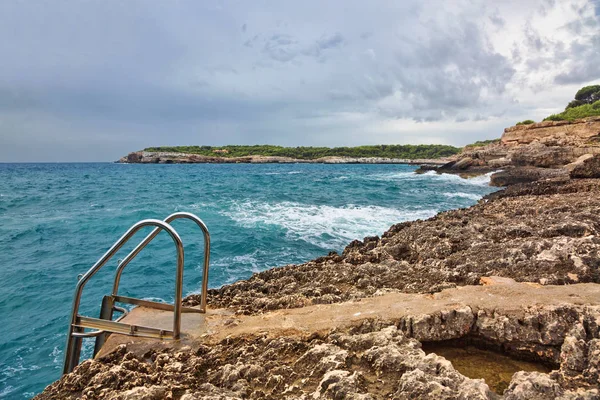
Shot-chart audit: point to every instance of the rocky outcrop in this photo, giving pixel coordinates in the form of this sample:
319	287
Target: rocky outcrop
513	176
526	153
586	166
145	157
579	133
346	365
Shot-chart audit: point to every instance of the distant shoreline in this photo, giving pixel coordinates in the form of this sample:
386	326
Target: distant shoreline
146	157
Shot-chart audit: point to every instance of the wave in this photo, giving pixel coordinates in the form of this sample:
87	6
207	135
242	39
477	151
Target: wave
6	391
395	176
283	173
481	180
235	267
461	195
56	356
324	226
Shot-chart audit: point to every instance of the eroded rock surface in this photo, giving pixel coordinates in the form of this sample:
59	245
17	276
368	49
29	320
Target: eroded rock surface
556	133
343	365
372	360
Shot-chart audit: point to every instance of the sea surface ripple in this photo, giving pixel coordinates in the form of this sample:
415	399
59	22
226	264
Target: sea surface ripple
56	220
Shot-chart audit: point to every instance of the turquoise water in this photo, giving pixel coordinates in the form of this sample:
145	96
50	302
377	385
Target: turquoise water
56	220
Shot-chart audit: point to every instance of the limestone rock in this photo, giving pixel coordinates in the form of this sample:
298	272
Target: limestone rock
532	386
146	393
578	132
573	353
525	175
587	166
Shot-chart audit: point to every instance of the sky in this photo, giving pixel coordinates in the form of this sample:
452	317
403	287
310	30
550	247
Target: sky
93	80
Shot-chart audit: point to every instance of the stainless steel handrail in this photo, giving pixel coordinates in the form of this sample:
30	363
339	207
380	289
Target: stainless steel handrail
73	345
152	235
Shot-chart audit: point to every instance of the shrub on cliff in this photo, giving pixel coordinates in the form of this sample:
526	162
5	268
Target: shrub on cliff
585	105
588	94
481	143
571	114
555	117
574	103
526	122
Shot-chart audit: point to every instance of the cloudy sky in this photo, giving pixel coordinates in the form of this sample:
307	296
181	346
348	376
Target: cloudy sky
92	80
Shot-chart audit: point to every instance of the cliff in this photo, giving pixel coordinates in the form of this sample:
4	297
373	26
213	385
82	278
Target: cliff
580	133
526	153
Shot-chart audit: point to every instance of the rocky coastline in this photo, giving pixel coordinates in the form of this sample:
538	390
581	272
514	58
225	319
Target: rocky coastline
518	274
147	157
528	153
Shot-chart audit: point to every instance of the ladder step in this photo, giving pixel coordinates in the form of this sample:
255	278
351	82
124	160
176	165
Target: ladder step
122	328
154	304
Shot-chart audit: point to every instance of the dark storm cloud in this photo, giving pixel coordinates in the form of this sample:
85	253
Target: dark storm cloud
449	71
583	54
586	62
284	47
497	20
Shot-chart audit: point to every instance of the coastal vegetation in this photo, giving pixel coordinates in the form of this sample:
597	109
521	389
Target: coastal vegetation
526	122
310	153
481	143
586	104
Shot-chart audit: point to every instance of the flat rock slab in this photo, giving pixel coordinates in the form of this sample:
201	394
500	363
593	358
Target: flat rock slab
499	294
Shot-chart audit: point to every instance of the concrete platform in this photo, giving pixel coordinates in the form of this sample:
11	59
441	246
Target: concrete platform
501	294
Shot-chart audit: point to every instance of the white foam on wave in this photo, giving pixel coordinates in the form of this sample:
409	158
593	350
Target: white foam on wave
481	180
56	355
248	262
396	176
461	195
87	348
156	299
283	173
6	391
19	367
324	226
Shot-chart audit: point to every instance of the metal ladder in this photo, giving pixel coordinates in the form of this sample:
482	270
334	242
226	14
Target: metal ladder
103	326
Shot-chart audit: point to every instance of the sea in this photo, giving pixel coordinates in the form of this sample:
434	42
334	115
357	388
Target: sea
56	220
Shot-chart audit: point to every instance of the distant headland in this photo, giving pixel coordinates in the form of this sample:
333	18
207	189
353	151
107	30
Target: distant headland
378	154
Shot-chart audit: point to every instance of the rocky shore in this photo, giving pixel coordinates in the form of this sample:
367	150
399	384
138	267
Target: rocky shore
542	233
527	153
518	274
145	157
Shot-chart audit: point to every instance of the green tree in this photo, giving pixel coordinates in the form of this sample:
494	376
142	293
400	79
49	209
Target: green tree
588	94
574	103
584	105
